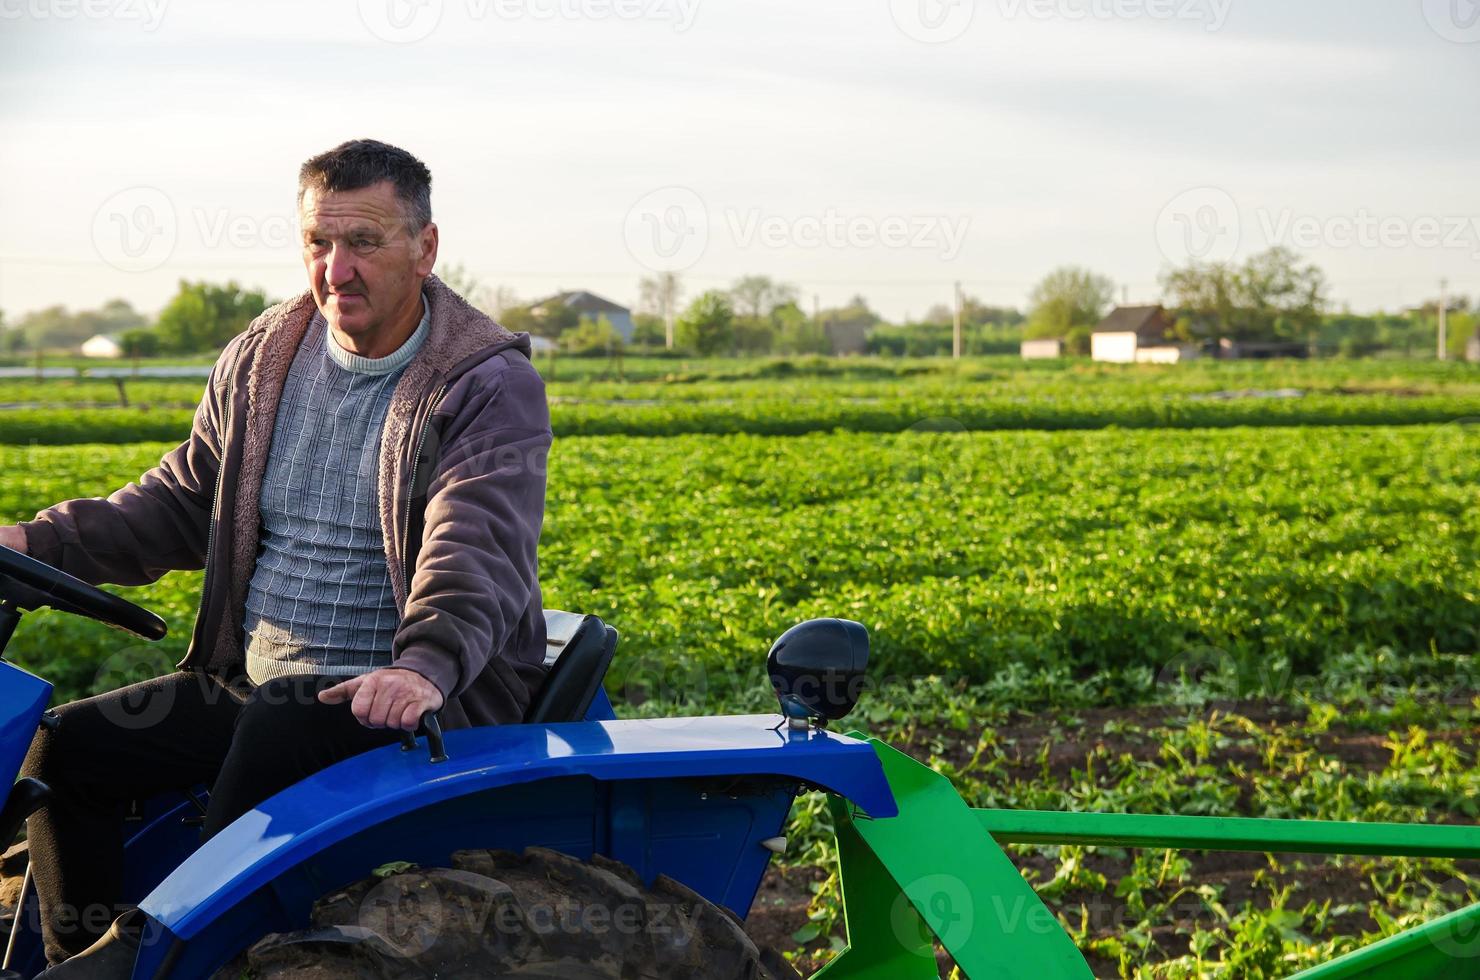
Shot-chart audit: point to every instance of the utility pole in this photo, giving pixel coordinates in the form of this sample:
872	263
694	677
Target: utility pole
1443	319
956	325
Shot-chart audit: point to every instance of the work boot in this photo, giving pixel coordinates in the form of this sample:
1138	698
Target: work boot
110	957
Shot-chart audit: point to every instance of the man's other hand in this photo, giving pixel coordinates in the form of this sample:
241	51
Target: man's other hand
391	697
13	537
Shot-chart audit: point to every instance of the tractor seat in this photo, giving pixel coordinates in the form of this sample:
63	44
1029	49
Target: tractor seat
578	651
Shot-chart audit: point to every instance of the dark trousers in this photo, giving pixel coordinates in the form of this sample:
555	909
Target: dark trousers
169	733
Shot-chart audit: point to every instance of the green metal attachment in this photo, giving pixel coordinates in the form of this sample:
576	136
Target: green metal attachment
932	866
1447	948
932	871
1230	833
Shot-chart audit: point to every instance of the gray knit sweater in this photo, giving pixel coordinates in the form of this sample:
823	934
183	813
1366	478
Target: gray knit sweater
320	598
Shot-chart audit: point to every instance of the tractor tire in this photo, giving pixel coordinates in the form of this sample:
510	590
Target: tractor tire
540	915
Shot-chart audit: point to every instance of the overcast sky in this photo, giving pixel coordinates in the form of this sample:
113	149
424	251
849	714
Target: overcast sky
882	147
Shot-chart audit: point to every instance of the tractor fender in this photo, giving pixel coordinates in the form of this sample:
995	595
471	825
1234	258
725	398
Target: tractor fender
628	788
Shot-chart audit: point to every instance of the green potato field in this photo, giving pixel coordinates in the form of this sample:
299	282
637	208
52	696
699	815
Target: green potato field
1087	588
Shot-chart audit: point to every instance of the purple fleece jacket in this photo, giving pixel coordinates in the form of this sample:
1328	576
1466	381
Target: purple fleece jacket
461	483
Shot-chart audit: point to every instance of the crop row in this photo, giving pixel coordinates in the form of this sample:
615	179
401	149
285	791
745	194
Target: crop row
800	415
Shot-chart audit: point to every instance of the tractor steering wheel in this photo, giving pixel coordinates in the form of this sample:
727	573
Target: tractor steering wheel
29	583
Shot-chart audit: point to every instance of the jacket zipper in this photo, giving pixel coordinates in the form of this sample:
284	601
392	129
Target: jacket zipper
205	585
415	462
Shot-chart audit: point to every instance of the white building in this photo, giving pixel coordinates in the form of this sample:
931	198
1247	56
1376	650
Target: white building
100	345
1138	335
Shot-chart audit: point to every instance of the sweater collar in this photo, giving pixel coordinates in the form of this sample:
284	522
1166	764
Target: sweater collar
394	361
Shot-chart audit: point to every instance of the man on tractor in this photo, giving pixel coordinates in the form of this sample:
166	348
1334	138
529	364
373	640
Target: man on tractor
364	487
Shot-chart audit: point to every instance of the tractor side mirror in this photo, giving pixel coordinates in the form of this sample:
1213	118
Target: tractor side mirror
817	669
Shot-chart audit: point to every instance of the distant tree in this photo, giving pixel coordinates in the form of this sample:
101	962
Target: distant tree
856	310
139	343
548	318
466	285
796	332
660	295
503	299
592	336
117	316
1067	303
756	300
1272	296
53	326
648	330
203	316
757	296
753	335
707	326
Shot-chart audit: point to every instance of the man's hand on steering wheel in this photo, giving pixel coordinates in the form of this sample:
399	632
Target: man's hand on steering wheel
392	697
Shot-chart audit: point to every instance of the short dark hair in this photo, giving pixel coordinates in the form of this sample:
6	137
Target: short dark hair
357	164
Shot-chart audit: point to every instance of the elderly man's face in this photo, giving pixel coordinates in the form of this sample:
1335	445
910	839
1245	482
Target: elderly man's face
365	266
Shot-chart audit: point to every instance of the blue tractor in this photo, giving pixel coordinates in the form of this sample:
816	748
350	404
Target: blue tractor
577	846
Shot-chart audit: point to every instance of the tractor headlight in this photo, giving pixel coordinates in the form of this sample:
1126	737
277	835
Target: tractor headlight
817	669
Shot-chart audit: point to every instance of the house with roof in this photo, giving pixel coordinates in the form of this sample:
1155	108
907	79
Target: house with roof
593	307
1139	335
